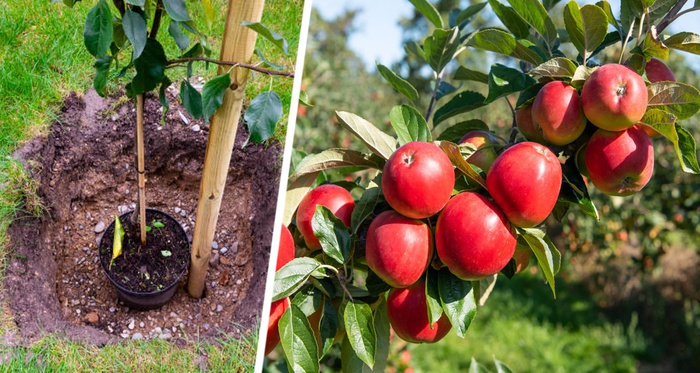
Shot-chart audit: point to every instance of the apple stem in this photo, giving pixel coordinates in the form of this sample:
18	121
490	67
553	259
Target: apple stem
641	27
431	106
627	38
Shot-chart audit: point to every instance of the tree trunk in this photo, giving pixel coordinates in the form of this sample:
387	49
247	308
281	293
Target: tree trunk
238	46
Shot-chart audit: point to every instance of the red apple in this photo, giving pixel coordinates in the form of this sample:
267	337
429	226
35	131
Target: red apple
418	179
620	163
408	315
286	249
527	126
398	248
335	198
524	182
473	237
657	71
277	309
485	154
614	97
557	111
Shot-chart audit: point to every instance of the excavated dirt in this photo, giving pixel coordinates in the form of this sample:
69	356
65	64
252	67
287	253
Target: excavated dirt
86	175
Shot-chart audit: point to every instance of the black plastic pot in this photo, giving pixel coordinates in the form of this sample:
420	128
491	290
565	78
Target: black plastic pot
144	300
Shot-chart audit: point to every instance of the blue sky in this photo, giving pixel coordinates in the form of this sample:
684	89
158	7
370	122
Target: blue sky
379	38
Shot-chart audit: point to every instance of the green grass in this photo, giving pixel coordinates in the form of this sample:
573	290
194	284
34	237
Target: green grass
524	327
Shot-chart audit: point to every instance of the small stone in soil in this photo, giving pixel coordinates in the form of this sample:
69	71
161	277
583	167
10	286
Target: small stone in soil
141	324
137	336
92	317
100	227
214	245
183	213
214	261
196	128
131	324
177	210
224	250
219	308
112	309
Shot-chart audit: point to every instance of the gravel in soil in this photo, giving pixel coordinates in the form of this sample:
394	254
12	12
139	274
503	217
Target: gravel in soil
85	169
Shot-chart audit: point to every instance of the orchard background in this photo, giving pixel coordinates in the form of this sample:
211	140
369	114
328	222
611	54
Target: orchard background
627	297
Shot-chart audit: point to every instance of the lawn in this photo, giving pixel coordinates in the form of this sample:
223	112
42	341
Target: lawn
42	59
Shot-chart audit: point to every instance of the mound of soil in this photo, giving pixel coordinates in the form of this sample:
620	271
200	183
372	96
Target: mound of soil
85	170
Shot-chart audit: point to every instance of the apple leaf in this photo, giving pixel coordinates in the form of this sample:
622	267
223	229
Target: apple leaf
135	30
162	97
409	124
150	68
661	121
441	47
546	253
464	73
581	75
101	66
483	289
527	96
414	49
399	84
475	367
587	27
457	299
455	132
377	141
605	5
296	190
298	341
462	18
684	41
328	326
332	233
181	39
308	299
686	149
444	88
98	32
504	80
573	189
462	103
365	206
276	39
358	320
293	276
381	327
429	11
432	296
679	99
559	67
213	95
177	10
510	18
453	152
499	41
535	14
654	48
335	158
191	99
262	115
501	367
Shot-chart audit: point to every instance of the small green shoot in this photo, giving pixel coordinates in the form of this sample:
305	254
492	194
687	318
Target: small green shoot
166	253
118	238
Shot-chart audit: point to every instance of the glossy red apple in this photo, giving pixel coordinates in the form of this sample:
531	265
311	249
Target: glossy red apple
277	309
398	248
418	179
527	126
286	249
558	112
657	71
620	163
524	182
408	315
484	143
335	198
473	237
614	97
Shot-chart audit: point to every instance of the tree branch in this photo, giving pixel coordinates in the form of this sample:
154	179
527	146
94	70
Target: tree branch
156	19
226	63
119	4
670	16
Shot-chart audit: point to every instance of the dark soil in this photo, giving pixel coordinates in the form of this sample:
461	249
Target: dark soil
85	172
146	268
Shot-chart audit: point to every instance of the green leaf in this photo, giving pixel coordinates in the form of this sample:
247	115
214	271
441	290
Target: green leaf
573	189
377	141
213	94
260	55
432	296
654	48
293	276
455	132
68	3
441	47
117	240
528	95
177	10
181	39
581	75
444	89
350	362
453	152
409	124
362	335
98	31
101	66
195	51
465	15
504	80
381	327
464	73
559	67
679	99
158	224
365	206
462	103
414	49
684	41
475	367
457	299
136	2
483	289
429	11
534	13
263	113
308	299
605	6
399	84
587	27
166	253
686	149
296	190
332	233
683	142
208	11
328	326
298	341
162	95
510	18
276	39
501	367
660	8
191	99
546	253
135	30
150	68
334	158
118	35
499	41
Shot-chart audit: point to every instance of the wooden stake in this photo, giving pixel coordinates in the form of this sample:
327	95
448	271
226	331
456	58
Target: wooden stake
238	45
141	167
